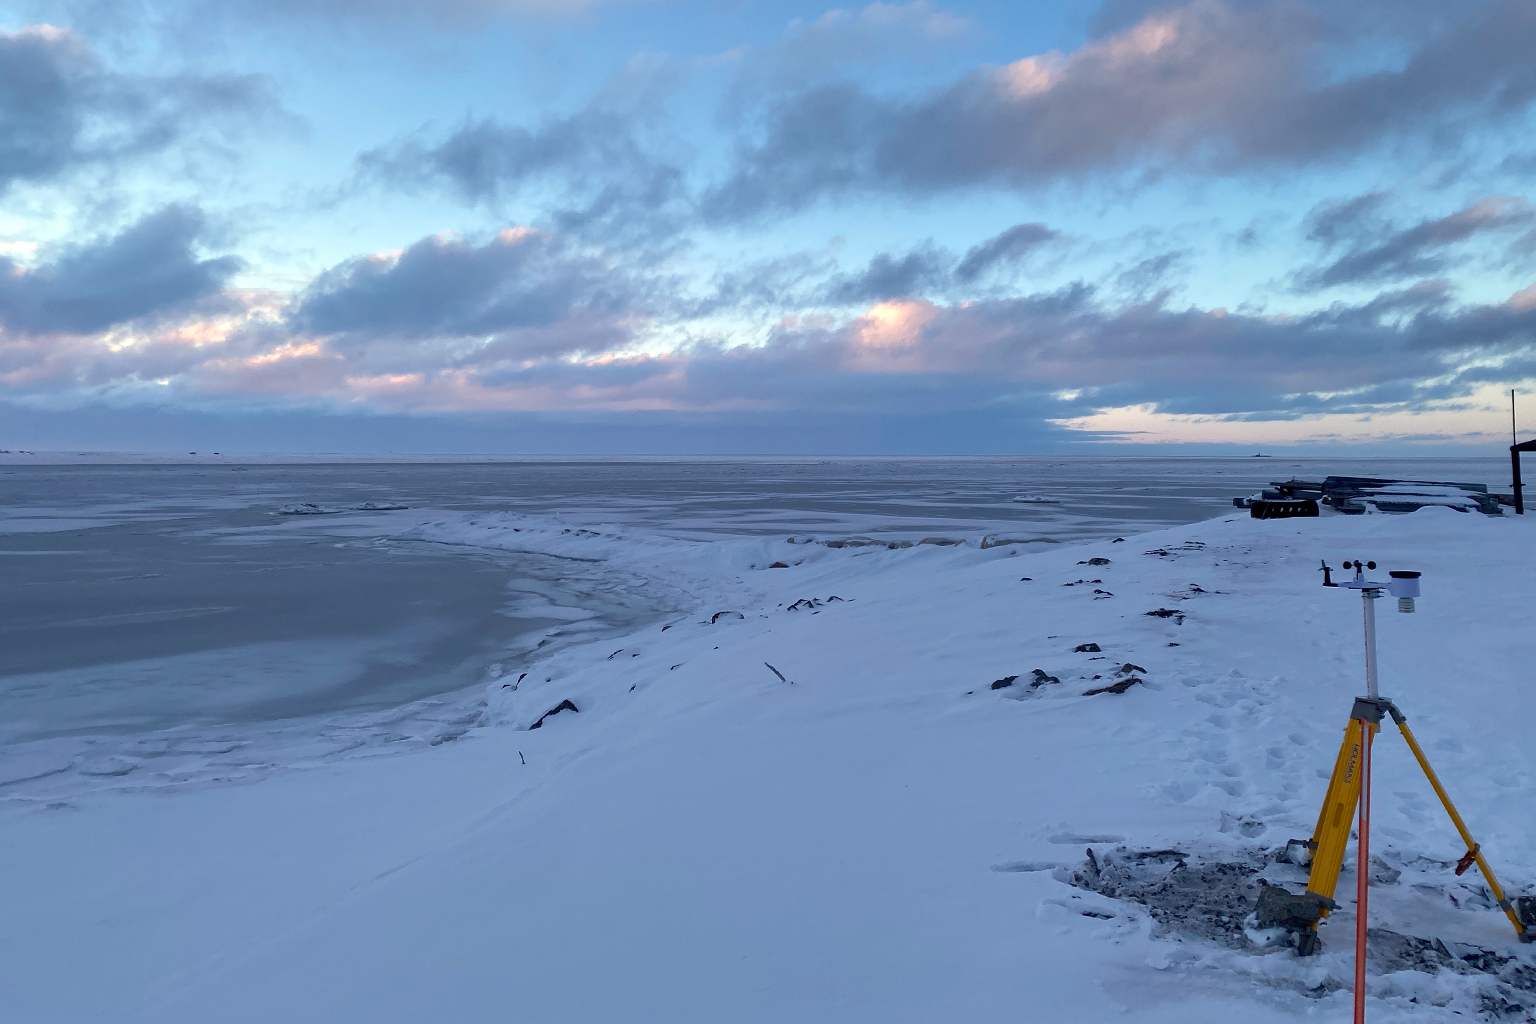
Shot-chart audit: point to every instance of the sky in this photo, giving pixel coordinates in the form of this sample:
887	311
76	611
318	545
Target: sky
668	227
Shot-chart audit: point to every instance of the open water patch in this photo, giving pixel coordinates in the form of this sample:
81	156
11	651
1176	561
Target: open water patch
149	657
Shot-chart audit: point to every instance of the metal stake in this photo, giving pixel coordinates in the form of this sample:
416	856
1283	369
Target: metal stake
1369	597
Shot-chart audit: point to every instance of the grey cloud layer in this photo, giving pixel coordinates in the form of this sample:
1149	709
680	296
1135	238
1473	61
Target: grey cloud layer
151	268
930	269
448	324
1010	246
1203	85
1366	247
519	288
590	169
1407	346
487	160
602	170
62	109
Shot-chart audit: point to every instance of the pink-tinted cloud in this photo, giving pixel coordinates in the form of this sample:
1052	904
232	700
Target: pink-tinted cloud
1207	86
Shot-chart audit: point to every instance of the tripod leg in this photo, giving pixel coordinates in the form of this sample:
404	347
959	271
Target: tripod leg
1333	823
1461	827
1340	769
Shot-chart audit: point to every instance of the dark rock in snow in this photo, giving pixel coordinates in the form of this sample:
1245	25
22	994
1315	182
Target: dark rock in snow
1041	678
998	684
1095	561
778	565
1280	909
1168	613
1120	687
1128	669
1087	649
564	705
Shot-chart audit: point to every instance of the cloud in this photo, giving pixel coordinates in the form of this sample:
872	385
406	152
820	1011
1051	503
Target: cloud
528	321
839	40
150	268
1394	19
439	14
486	160
889	276
521	294
603	170
61	109
1206	86
1375	250
812	279
906	357
929	269
589	169
1152	273
1400	347
1009	246
771	284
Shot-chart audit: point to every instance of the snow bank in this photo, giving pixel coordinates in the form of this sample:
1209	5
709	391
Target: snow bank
807	798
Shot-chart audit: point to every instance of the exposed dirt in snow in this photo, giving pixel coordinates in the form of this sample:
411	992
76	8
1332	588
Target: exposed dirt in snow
1193	898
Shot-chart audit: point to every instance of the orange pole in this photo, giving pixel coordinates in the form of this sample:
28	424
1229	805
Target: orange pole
1363	873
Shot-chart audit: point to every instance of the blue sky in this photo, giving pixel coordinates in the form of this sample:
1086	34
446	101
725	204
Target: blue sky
634	226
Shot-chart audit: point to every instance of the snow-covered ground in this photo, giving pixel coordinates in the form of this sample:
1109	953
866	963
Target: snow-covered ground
803	800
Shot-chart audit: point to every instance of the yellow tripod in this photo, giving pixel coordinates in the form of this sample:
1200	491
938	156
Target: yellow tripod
1349	787
1346	792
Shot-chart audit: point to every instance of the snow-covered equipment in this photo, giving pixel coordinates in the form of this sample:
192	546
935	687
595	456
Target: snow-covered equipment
1282	508
1355	495
1349	787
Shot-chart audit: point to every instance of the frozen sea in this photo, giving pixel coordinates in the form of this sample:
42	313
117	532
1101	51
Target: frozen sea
219	618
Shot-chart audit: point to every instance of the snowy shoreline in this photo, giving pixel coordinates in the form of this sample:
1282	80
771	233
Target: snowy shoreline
784	807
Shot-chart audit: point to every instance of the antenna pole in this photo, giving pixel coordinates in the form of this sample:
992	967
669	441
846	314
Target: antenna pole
1514	459
1370	597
